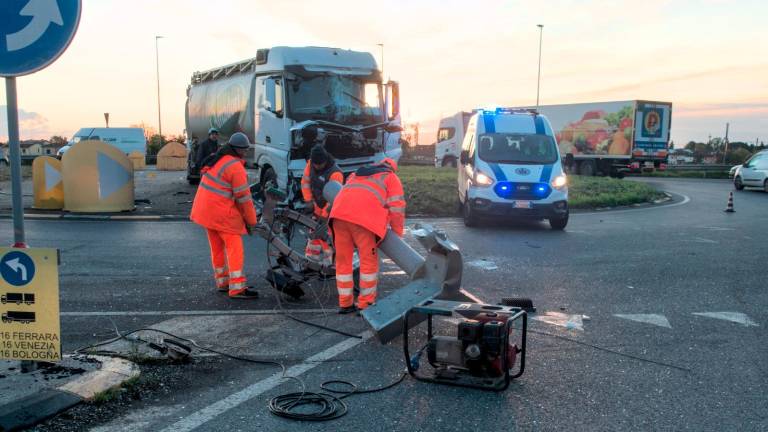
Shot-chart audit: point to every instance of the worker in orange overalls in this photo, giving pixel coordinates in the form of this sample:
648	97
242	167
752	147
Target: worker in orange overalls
321	168
223	206
370	202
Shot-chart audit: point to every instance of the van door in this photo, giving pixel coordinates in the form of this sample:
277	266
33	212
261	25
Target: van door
271	131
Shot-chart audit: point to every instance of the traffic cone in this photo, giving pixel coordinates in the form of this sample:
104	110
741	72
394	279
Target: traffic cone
729	208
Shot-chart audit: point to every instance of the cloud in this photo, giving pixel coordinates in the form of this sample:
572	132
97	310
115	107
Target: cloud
31	125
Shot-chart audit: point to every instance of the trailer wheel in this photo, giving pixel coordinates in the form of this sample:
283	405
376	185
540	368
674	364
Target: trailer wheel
587	168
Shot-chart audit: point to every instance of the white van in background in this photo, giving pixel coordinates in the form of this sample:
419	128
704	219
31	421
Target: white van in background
127	140
449	137
510	168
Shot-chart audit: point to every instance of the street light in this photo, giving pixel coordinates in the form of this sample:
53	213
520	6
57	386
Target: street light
157	62
538	80
382	59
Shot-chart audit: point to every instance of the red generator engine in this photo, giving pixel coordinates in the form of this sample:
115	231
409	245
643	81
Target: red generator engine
480	350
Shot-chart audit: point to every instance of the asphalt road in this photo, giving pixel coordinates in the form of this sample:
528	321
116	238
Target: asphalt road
676	267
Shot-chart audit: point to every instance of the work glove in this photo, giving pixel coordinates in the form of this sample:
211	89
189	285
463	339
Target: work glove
249	230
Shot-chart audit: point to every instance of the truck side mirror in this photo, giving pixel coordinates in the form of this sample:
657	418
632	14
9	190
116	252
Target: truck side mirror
393	100
464	157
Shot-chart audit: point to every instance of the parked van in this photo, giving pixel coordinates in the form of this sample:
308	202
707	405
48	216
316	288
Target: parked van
128	140
510	167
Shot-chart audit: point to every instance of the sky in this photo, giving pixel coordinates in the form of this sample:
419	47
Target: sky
708	57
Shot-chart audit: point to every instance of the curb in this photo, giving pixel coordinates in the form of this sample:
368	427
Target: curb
33	409
94	217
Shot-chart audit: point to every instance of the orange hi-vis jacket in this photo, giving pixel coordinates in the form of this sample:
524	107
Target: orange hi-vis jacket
372	198
312	184
223	201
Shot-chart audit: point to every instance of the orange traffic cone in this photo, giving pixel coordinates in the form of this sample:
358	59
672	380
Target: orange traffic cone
729	208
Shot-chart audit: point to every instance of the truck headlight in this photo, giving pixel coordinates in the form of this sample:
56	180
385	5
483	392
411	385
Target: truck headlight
559	182
482	179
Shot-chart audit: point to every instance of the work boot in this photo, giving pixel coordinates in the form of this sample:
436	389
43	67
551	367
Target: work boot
247	293
222	289
347	310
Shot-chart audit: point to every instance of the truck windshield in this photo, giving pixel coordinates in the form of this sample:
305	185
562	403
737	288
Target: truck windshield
517	148
339	99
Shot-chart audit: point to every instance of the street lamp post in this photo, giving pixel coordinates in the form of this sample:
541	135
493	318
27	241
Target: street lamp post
538	79
382	59
157	63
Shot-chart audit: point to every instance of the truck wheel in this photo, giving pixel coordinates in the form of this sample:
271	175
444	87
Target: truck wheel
449	162
470	218
559	223
587	168
269	176
737	184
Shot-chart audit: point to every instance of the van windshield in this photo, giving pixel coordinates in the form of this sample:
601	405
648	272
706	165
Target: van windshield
517	148
339	99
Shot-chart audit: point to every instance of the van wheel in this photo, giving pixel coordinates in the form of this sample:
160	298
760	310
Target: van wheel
559	223
449	162
737	184
470	218
587	168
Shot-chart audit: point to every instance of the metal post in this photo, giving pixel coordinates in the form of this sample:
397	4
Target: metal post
157	63
382	60
725	153
538	80
15	159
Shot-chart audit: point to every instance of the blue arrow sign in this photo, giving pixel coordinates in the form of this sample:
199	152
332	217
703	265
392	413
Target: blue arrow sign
35	33
17	268
112	175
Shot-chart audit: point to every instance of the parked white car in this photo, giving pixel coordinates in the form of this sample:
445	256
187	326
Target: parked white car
753	173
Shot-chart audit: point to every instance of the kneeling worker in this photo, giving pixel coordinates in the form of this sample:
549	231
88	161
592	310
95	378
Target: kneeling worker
321	168
371	201
223	206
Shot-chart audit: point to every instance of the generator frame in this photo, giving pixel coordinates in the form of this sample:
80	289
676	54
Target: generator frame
443	308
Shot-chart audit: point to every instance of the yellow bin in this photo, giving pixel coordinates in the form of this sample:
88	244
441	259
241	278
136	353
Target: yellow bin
97	178
48	189
138	160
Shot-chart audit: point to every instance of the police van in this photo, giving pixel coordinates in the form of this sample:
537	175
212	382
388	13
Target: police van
510	168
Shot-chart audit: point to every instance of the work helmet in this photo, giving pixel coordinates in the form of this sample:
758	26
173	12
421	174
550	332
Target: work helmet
212	131
390	163
239	141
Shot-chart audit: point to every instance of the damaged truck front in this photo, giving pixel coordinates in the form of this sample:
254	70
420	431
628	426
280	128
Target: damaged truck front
288	99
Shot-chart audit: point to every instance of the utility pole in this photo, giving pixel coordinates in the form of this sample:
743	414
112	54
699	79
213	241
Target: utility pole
382	60
538	79
157	63
725	153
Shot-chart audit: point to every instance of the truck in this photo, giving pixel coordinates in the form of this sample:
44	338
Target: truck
608	138
18	298
287	99
450	134
22	317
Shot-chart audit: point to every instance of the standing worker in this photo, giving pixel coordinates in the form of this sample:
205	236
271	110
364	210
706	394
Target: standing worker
223	206
321	168
371	201
201	152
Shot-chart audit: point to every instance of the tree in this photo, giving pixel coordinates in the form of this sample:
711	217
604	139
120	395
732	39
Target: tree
155	143
58	140
738	156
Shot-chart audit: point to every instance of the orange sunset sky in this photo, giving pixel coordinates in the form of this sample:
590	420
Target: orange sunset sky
708	57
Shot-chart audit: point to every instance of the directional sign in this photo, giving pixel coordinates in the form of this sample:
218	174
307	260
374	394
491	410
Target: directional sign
17	268
29	312
35	33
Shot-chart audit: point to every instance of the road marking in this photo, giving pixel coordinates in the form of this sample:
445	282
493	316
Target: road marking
194	312
571	322
704	240
686	200
483	264
736	317
655	319
204	415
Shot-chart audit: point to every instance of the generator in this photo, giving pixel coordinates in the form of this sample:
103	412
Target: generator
481	350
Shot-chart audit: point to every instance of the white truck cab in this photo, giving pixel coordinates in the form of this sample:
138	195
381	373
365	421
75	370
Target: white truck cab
450	134
510	167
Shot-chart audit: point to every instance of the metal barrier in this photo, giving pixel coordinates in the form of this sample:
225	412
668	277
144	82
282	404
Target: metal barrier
700	167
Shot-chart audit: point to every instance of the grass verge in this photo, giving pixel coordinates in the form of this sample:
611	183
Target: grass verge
432	191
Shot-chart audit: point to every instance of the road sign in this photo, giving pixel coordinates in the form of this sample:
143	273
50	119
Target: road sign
29	305
35	33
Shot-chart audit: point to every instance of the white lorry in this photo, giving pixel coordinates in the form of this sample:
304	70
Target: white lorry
287	99
609	138
450	134
128	140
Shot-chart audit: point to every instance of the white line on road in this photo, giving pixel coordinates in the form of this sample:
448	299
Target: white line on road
194	312
655	319
202	416
736	317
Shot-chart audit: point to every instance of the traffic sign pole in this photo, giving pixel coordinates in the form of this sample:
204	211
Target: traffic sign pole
15	159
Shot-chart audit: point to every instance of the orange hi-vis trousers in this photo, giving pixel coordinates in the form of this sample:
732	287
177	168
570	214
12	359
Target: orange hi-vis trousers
346	237
227	257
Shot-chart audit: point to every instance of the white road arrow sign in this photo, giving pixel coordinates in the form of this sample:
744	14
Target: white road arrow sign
16	266
43	13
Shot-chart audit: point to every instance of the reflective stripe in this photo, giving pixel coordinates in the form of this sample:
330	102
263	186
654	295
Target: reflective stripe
345	291
236	286
368	188
367	291
368	277
222	281
221	183
344	278
397	209
244	199
235	274
216	191
220	270
378	181
395	198
225	166
241	188
306	186
315	247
